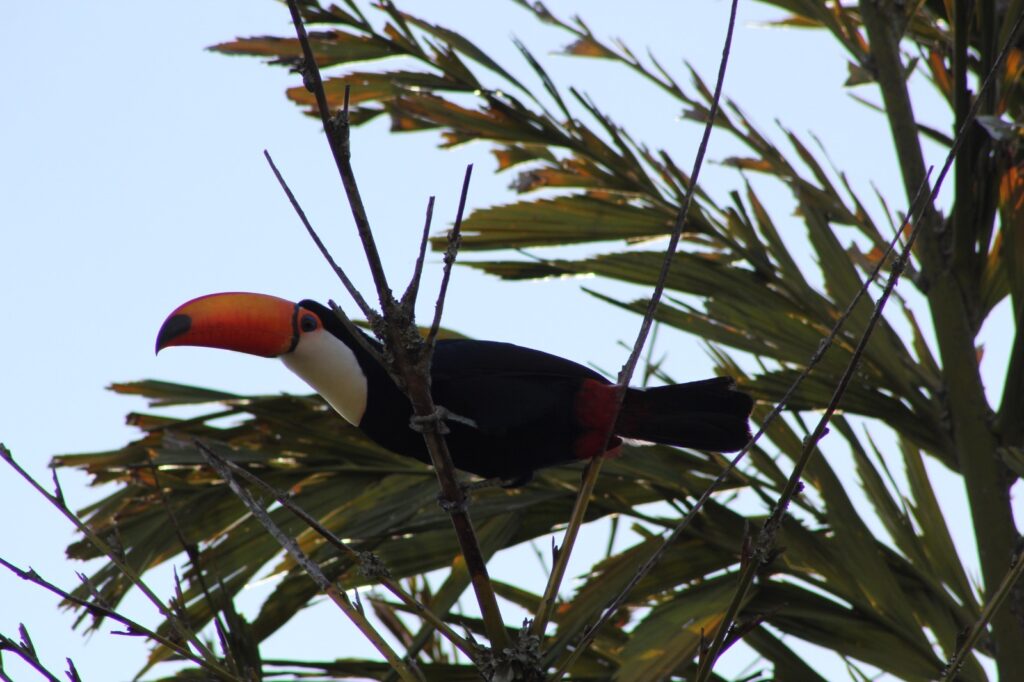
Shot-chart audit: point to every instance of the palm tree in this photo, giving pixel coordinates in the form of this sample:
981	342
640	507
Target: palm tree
879	584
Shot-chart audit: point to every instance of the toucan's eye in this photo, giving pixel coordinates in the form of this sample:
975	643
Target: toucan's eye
308	323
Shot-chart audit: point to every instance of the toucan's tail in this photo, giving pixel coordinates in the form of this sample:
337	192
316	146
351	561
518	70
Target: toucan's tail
707	415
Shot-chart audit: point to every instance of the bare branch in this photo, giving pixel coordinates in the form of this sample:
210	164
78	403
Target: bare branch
370	564
364	307
134	627
922	202
997	600
915	215
454	241
626	373
117	558
408	359
337	129
27	652
192	551
72	671
311	567
766	537
413	290
713	487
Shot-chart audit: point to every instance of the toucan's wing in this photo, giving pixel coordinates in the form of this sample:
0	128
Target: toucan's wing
498	404
457	359
503	387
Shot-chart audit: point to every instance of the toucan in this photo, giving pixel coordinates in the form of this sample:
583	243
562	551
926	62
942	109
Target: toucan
515	410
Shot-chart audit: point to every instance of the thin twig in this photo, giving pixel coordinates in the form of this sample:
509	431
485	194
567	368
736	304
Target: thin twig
364	307
134	627
454	241
57	500
766	537
626	374
371	565
311	567
371	315
354	332
27	652
413	290
560	558
997	599
189	548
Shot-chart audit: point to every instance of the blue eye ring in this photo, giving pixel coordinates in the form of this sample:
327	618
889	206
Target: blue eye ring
308	323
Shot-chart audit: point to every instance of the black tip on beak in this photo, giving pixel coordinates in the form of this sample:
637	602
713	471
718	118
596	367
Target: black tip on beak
175	326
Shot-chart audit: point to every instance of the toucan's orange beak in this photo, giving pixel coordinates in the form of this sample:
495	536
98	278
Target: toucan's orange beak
248	323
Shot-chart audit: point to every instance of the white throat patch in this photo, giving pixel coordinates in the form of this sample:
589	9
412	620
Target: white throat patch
331	369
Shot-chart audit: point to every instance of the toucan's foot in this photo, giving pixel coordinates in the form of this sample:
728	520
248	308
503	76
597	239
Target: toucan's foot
451	506
517	482
468	489
496	481
484	484
429	422
437	421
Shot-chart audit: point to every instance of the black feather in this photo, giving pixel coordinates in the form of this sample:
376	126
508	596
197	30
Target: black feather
707	415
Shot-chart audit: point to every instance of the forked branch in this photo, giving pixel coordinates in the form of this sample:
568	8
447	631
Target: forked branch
26	650
134	628
205	658
311	568
407	356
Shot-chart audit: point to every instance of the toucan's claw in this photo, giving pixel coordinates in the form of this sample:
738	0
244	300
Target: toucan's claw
451	416
518	481
436	421
484	484
451	506
494	482
428	423
469	489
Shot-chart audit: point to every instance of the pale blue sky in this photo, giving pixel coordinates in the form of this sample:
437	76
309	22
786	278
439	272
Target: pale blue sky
131	180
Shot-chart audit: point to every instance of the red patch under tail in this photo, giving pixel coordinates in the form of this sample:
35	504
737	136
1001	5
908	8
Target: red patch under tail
595	409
